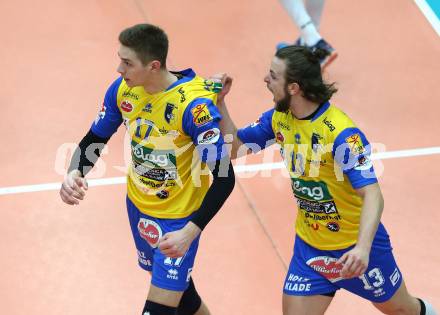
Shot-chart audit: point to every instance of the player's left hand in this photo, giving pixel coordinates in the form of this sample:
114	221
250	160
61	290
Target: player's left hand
355	262
226	82
175	244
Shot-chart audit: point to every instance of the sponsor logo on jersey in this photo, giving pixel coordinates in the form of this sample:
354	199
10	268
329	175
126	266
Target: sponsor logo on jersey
148	108
297	138
333	226
316	146
213	86
163	194
157	174
363	163
130	94
158	165
280	137
149	231
209	136
355	144
182	95
310	190
255	123
159	158
329	124
169	115
327	267
126	106
283	125
312	209
201	114
101	113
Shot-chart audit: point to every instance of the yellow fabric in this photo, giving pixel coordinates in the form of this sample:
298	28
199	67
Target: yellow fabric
324	194
160	147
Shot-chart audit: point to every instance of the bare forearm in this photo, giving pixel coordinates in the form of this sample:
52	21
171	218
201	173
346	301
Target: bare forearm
229	129
370	216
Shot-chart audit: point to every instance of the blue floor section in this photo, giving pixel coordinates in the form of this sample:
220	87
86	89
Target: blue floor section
435	6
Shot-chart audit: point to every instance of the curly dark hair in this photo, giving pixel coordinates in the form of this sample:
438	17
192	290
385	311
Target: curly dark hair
303	68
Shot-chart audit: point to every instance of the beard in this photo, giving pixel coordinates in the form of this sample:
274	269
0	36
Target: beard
284	104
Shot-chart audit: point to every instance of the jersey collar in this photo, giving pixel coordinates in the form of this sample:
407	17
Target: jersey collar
187	75
320	111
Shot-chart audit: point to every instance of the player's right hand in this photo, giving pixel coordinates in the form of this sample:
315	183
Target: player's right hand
73	188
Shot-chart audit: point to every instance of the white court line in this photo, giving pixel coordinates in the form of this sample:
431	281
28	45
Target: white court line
429	14
237	168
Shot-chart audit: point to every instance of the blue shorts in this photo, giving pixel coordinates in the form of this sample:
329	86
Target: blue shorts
313	271
167	273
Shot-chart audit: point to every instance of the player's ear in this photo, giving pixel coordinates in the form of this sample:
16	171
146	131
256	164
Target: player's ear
293	88
155	65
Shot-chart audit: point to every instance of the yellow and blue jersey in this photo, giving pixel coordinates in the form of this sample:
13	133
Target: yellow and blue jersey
328	158
172	135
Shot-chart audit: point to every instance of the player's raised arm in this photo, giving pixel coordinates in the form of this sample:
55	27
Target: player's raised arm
227	125
249	139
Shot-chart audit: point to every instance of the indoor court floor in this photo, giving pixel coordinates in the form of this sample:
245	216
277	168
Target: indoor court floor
57	61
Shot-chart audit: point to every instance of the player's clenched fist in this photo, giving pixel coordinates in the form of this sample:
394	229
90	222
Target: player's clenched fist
73	188
226	82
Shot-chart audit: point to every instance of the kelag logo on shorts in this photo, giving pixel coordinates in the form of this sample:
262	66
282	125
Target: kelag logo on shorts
149	231
310	190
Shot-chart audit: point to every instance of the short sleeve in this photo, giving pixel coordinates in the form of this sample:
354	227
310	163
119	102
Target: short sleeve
352	152
259	134
201	122
109	117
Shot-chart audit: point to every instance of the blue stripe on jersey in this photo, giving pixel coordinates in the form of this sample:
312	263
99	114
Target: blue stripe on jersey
208	151
357	167
321	110
258	135
188	75
109	120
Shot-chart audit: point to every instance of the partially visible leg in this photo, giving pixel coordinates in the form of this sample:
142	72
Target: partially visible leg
299	15
309	35
306	291
315	8
161	301
305	305
191	303
203	310
402	303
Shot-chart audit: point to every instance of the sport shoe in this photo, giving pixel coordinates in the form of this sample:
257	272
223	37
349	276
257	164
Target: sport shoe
322	44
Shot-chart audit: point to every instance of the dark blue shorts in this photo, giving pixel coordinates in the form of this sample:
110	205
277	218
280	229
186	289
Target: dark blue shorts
167	273
313	271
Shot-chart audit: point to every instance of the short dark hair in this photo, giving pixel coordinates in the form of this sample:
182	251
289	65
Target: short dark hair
148	41
303	68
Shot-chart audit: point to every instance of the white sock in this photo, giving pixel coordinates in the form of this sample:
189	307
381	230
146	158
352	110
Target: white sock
314	8
429	308
298	13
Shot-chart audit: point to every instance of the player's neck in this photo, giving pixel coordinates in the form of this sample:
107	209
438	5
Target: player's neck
301	107
160	82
